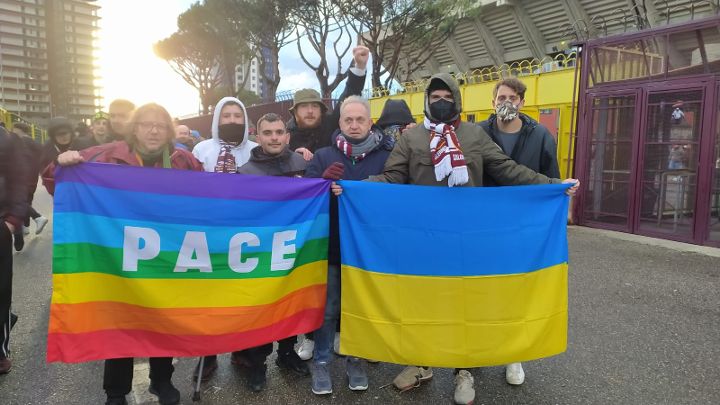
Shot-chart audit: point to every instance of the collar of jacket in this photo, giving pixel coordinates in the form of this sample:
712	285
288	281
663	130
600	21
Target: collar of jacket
258	155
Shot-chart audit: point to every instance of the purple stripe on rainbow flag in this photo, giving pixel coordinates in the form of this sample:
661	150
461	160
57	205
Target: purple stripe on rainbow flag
195	184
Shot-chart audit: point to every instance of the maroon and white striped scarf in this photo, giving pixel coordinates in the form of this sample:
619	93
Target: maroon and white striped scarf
446	154
226	160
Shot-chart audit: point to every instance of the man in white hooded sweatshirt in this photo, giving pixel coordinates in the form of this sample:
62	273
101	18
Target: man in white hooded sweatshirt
229	148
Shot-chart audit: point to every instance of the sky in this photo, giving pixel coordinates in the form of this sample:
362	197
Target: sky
129	69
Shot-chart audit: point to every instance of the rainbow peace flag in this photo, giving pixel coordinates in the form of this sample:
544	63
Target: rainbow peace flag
453	277
152	262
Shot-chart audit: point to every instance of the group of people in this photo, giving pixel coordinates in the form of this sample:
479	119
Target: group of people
344	143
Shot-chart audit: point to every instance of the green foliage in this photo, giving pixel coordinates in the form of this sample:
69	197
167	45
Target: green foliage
248	97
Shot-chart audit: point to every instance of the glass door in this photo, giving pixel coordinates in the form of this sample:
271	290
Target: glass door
610	126
668	164
714	217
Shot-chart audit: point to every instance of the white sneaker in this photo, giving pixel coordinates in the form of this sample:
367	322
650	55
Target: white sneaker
464	390
336	344
25	230
40	223
305	349
514	374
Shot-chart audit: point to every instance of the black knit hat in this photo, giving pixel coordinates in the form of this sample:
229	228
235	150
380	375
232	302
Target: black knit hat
437	84
57	124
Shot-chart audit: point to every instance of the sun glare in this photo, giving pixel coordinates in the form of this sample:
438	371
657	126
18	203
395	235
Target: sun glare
127	65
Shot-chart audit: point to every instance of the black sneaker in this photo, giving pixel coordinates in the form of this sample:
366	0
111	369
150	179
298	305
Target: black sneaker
167	394
291	361
116	401
19	242
257	379
209	367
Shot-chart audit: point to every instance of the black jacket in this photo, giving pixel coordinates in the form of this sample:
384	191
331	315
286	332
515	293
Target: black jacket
288	164
535	147
15	171
316	138
35	151
372	165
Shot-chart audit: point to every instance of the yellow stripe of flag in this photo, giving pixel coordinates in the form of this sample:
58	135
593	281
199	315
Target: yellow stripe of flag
187	293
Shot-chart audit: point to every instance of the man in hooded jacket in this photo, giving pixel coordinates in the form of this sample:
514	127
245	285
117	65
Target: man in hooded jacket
395	118
445	151
229	148
311	125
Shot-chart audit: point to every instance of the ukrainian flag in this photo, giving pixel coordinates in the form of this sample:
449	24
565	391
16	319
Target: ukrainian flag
453	277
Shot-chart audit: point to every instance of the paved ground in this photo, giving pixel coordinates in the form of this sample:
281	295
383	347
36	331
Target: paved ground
644	329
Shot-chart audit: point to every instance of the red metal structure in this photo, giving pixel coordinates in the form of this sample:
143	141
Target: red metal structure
648	151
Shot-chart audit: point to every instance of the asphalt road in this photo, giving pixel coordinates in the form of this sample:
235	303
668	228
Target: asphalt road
644	329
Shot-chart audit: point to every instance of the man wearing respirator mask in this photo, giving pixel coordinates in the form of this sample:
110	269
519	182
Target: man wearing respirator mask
522	138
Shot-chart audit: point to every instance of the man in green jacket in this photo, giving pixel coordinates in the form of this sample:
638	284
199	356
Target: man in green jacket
445	151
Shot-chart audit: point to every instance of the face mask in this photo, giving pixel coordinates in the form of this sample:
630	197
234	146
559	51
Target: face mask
442	110
506	111
231	133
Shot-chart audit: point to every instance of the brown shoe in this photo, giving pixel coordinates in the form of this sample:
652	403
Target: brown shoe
5	365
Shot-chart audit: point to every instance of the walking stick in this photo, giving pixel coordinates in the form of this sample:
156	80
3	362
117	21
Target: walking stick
196	390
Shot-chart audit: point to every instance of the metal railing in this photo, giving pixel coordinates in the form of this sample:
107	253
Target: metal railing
489	74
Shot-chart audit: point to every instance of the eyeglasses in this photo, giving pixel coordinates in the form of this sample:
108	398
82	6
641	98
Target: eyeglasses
149	125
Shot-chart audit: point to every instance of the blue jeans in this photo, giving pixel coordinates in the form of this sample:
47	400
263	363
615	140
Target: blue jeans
325	336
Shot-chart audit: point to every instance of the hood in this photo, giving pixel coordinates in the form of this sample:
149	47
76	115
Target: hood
450	81
395	112
216	118
58	123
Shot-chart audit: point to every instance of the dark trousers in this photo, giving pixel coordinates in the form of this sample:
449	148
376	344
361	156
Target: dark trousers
117	380
32	214
6	262
258	354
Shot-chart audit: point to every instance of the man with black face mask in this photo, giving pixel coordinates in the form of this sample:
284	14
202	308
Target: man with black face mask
522	138
445	151
229	147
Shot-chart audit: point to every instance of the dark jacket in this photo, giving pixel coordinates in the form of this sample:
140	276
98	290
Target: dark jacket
35	151
371	165
410	161
316	138
14	173
84	142
535	147
287	163
120	153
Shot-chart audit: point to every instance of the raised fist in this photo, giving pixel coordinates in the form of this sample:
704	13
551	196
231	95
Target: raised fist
361	54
